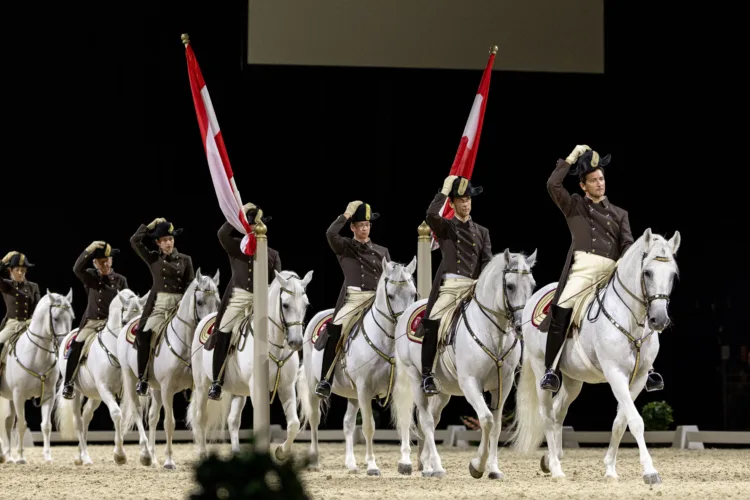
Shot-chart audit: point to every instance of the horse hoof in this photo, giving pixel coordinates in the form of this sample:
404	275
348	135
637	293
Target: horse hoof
21	461
170	466
78	461
404	469
652	478
496	475
438	474
544	464
3	459
474	473
280	456
120	459
611	479
355	470
373	472
146	460
48	461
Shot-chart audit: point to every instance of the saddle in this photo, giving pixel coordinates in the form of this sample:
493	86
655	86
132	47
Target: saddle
157	333
241	328
8	348
320	341
86	346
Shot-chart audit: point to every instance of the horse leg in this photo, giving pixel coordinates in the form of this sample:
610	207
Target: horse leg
368	429
313	418
153	419
6	432
234	420
288	398
350	423
429	460
618	429
116	415
83	456
494	468
169	425
569	391
88	414
18	401
619	384
473	392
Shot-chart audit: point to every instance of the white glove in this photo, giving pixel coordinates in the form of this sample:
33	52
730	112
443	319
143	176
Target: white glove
351	208
155	222
576	153
448	184
9	256
94	245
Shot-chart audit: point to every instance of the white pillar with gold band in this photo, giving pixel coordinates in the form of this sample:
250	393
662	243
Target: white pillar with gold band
424	261
261	397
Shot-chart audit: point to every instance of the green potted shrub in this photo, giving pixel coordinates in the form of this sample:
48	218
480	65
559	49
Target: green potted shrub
657	416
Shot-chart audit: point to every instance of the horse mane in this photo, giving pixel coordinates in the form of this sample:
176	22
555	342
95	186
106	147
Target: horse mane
658	246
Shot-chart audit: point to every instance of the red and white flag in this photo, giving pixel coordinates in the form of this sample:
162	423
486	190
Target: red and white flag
463	163
216	153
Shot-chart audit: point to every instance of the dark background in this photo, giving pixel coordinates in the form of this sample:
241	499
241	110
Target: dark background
101	135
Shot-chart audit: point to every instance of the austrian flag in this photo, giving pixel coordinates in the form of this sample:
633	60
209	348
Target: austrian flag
463	163
216	153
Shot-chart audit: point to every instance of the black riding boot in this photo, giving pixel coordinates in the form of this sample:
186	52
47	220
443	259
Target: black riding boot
323	389
220	354
144	348
75	356
429	350
654	382
555	337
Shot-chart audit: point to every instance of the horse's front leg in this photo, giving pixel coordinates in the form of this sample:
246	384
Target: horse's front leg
6	430
429	459
472	390
234	420
368	426
288	399
569	391
88	414
154	412
19	402
350	423
116	415
169	426
47	405
618	381
501	398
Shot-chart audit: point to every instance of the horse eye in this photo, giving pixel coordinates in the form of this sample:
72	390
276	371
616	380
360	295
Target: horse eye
200	302
390	296
511	287
285	306
647	274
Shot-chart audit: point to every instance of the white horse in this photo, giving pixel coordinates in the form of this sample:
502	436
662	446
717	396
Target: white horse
484	358
612	347
368	365
287	305
31	371
98	379
169	371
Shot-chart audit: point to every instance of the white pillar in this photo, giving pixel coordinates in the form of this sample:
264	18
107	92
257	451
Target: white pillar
261	399
424	261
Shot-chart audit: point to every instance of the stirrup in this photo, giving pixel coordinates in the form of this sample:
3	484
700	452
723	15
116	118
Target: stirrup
68	391
429	385
215	391
550	381
654	382
142	388
323	389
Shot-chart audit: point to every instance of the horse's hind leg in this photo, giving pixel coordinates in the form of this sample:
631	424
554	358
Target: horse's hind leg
84	420
153	419
6	432
350	423
472	390
569	391
20	425
618	381
429	459
234	420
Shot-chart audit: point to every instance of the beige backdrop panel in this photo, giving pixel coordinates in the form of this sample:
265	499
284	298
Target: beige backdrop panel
532	35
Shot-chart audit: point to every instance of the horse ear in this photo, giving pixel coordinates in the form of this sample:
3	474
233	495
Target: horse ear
307	279
647	237
385	263
283	281
122	298
412	266
198	275
69	297
675	241
216	277
142	301
531	259
48	292
507	256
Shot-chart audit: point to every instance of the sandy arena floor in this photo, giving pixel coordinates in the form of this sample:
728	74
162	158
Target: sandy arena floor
708	474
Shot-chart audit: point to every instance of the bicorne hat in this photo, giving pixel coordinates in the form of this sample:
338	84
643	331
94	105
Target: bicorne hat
589	162
251	212
107	251
164	229
19	260
364	213
462	187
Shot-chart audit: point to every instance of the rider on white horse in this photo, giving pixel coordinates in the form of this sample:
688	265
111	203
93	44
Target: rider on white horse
238	296
20	295
361	261
466	249
601	234
101	285
172	272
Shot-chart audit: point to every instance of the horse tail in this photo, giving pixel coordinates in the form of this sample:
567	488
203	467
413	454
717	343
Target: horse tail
64	416
304	407
402	406
527	429
216	415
